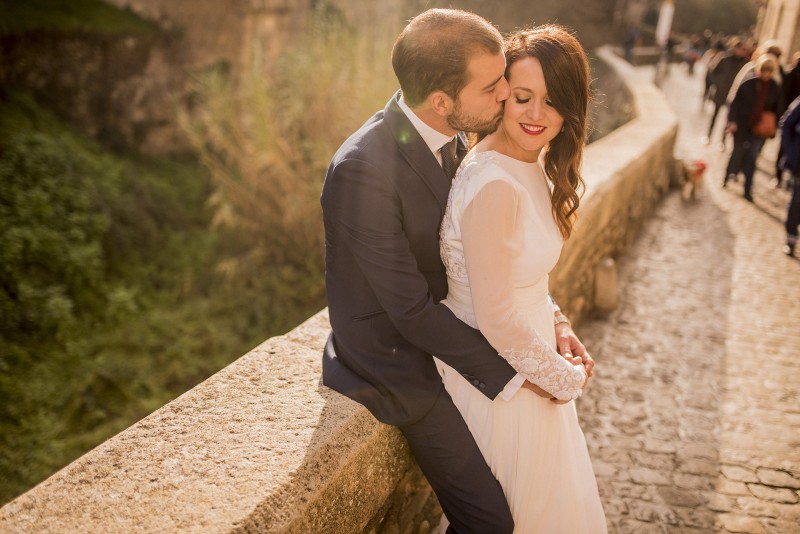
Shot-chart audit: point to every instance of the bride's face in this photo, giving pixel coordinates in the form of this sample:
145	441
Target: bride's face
529	119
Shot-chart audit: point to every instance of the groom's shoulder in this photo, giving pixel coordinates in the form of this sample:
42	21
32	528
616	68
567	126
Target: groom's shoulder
370	141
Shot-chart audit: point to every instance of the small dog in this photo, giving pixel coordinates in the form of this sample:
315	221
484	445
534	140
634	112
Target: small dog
692	178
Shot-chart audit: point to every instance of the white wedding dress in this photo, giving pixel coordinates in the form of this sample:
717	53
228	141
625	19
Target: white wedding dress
499	241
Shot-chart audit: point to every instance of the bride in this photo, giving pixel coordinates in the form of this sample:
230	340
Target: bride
508	214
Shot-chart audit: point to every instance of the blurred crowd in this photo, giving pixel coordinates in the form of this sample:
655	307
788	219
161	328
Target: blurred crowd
753	92
759	96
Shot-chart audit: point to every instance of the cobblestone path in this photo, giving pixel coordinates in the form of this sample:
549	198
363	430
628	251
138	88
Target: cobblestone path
693	419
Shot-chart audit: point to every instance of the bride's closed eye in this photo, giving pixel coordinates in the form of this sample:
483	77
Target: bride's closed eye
523	100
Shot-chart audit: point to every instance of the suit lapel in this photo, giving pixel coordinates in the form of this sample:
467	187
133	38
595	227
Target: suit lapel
416	151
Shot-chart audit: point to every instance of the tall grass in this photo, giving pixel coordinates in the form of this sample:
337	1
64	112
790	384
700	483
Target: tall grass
267	136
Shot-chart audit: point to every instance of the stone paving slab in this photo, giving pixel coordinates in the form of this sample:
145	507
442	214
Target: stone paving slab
693	418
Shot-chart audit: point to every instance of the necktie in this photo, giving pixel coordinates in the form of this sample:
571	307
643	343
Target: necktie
451	157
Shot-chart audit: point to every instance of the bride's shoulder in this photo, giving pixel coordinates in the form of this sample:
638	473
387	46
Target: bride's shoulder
482	167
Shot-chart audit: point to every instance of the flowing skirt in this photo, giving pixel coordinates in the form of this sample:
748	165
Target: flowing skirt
536	450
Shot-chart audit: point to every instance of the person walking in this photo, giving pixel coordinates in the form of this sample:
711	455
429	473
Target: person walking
790	89
721	79
757	99
790	140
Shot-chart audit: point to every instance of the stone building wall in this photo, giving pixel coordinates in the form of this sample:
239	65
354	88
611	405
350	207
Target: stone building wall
780	20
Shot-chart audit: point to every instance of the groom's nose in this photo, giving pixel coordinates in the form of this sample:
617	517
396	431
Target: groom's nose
503	90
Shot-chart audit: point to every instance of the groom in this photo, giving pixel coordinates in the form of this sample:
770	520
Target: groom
383	201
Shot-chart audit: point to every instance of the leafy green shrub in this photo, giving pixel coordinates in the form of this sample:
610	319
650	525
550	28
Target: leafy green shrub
92	245
50	229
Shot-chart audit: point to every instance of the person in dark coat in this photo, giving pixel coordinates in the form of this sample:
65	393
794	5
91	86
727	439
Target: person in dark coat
791	81
722	76
790	141
791	90
756	95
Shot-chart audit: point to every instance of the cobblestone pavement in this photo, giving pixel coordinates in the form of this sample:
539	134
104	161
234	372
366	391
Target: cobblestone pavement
693	418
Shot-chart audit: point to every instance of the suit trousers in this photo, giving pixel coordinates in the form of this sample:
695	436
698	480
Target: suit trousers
471	497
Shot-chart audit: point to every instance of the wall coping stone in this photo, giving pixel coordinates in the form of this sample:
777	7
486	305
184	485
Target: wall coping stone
262	445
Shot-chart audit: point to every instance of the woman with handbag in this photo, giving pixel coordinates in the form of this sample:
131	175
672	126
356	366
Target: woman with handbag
752	119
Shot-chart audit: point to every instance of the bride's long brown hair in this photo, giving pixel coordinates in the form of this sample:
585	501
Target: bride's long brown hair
566	73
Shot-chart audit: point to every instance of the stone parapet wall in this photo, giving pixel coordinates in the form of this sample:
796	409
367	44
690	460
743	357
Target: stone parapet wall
626	174
262	446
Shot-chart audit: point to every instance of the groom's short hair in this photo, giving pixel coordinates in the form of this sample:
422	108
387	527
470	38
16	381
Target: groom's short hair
433	51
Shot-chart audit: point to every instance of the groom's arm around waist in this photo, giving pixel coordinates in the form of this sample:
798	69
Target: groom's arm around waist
366	233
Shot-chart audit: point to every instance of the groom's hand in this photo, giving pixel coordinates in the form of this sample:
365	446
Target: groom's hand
536	389
542	393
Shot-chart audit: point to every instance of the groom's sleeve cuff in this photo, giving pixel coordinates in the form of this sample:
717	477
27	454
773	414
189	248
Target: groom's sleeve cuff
512	387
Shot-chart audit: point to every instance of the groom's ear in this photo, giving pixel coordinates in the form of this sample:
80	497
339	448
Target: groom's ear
441	103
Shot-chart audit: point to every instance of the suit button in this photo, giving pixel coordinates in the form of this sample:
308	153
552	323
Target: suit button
476	382
482	386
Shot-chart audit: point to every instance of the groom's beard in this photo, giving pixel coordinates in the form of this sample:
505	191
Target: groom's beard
459	120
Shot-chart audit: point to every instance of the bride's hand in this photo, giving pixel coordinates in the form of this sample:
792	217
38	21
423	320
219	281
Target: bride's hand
577	360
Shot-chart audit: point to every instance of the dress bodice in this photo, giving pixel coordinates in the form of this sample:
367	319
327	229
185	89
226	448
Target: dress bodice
498	242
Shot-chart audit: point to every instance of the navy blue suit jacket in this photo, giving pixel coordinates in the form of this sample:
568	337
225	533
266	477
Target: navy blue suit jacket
383	201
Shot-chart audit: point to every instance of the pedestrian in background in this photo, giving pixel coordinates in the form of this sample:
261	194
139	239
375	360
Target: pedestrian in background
756	99
632	40
790	141
710	58
768	47
693	53
721	79
791	90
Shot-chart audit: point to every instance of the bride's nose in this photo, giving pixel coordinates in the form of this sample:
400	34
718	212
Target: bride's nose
535	109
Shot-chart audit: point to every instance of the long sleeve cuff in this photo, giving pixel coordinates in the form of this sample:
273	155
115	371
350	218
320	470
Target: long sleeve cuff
512	387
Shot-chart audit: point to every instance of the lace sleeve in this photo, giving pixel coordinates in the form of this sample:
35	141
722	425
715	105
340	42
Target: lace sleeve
491	240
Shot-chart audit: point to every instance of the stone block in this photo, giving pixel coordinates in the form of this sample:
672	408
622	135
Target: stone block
643	475
679	497
741	523
718	502
776	478
738	473
768	493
